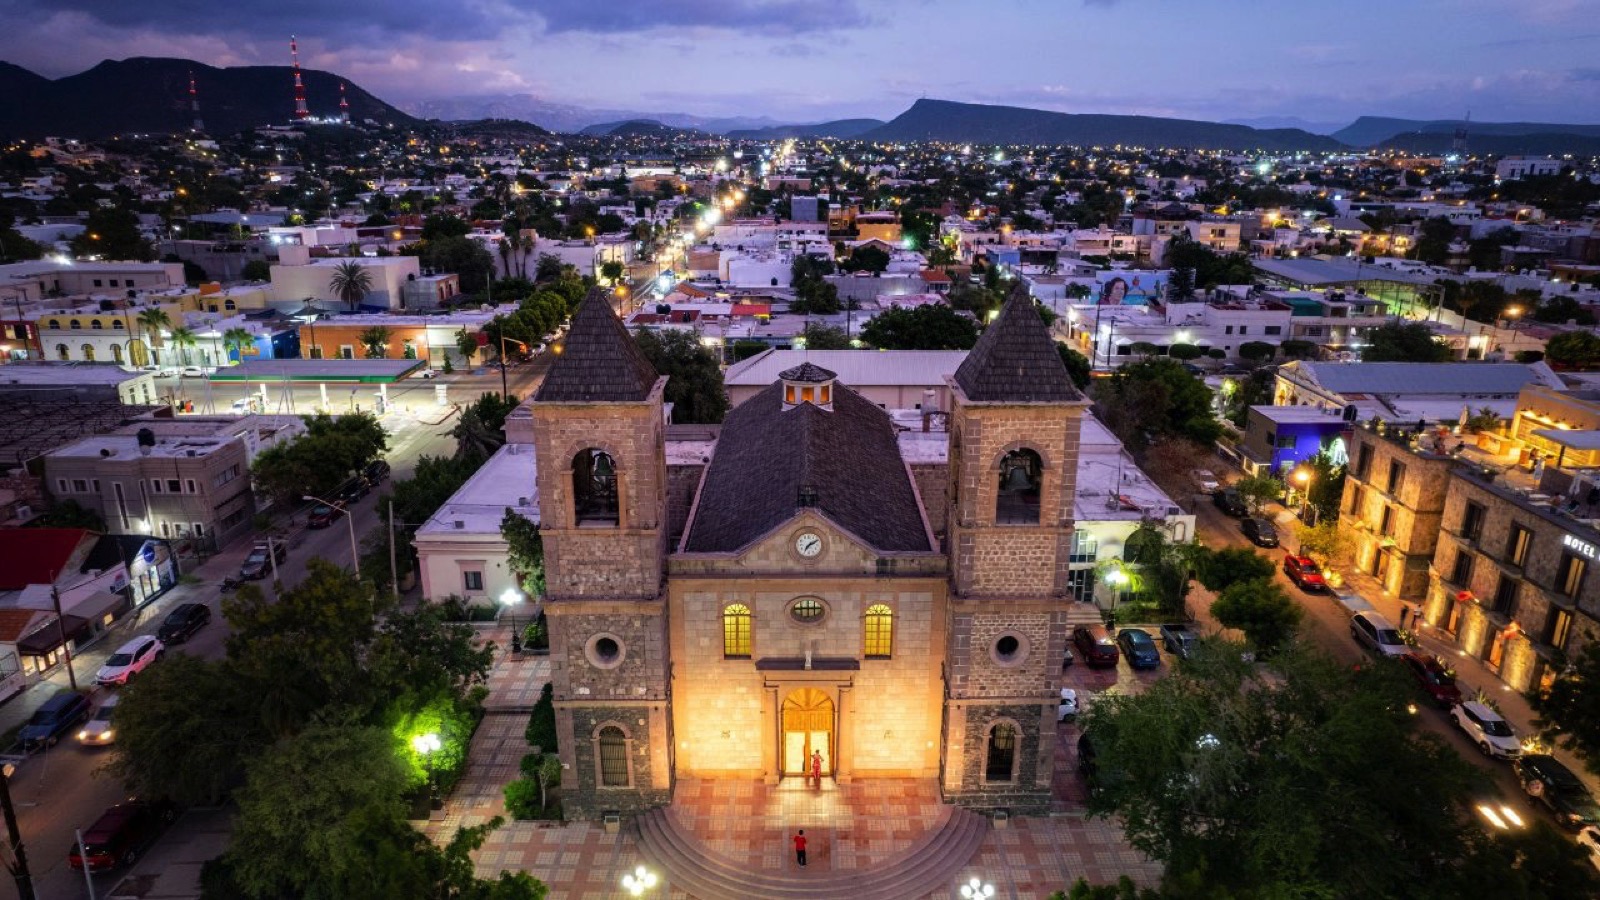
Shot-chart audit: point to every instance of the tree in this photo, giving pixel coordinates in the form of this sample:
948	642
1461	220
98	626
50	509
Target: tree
1185	352
1573	350
350	283
1152	399
1325	487
375	341
236	339
1180	286
332	449
1562	308
1219	570
1301	777
1433	242
434	480
1296	349
112	232
1261	610
868	258
1569	712
154	321
467	344
444	226
612	271
812	293
1258	490
825	337
524	551
694	385
183	340
464	256
481	429
1326	542
931	327
256	270
1078	368
1399	341
1256	351
1238	395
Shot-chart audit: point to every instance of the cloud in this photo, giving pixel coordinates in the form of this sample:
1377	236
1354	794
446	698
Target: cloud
772	17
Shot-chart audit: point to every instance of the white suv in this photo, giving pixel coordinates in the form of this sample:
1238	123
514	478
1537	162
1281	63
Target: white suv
1374	632
130	659
1485	728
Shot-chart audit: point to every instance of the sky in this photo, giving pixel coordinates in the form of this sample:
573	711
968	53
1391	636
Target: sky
812	60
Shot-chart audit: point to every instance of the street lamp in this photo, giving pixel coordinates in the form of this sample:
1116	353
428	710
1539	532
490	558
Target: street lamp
638	881
1513	314
509	599
1302	477
355	554
977	889
426	745
505	392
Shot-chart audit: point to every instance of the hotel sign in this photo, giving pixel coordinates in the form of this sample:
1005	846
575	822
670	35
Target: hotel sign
1582	548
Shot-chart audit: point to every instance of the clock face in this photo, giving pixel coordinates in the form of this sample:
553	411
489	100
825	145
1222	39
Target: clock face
808	544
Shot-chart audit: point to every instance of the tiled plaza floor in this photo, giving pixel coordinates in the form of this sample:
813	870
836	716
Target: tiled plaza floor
852	827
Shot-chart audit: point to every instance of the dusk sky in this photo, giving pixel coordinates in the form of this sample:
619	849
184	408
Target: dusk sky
808	60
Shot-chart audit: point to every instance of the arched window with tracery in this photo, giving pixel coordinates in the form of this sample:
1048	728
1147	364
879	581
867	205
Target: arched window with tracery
611	747
736	631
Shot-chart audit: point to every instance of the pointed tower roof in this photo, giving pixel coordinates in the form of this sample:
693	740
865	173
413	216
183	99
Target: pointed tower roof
1015	360
599	360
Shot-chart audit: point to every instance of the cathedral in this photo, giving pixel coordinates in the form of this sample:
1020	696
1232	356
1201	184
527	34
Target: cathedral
795	587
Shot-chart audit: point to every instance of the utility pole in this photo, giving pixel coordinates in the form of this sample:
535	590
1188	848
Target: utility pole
61	629
83	854
394	568
272	557
19	868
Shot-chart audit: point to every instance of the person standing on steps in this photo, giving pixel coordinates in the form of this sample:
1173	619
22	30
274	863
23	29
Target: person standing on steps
816	767
800	847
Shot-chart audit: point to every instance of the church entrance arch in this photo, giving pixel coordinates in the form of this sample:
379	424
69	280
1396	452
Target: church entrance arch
808	727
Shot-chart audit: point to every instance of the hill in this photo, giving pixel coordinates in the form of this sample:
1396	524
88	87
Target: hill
950	122
638	128
839	128
502	129
1370	131
1432	143
150	94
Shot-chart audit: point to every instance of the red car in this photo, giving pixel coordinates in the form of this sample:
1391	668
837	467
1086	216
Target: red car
118	836
1095	645
1433	678
1304	573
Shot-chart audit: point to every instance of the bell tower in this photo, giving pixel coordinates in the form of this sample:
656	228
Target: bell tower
1014	427
599	433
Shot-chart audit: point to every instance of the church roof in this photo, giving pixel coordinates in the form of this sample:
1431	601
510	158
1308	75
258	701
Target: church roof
599	360
846	457
1015	360
807	373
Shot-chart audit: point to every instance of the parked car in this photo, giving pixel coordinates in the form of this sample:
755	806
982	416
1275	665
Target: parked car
322	515
1206	480
352	490
1589	840
1484	727
428	374
181	624
196	371
375	471
1433	678
55	718
1095	645
1545	779
97	731
130	659
1374	632
1231	502
1305	573
258	564
1259	531
1139	648
120	835
1068	709
1179	640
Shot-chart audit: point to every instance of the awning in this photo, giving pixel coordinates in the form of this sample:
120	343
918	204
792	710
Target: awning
47	640
97	605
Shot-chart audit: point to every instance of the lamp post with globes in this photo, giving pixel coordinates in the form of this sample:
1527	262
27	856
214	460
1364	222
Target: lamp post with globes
1302	479
977	889
426	746
638	881
510	599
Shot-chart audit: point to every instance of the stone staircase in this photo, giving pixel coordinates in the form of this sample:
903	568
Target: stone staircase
1084	614
931	865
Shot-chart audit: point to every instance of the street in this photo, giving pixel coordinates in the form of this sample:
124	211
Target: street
62	789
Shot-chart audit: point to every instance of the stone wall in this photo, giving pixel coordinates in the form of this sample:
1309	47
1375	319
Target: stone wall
1029	792
682	483
582	797
638	629
933	485
1414	511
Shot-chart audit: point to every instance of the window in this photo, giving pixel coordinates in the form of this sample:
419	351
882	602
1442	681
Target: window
98	284
116	353
1386	523
807	611
736	631
1569	574
1085	547
1080	585
880	632
1461	572
1557	627
155	486
594	488
174	486
80	485
472	581
199	529
95	324
1358	499
75	325
1009	649
316	352
1472	521
61	486
88	352
1517	546
1285	441
347	351
1505	596
1227	329
613	755
1001	756
605	651
61	352
1272	329
1244	329
189	486
1397	476
116	324
1017	500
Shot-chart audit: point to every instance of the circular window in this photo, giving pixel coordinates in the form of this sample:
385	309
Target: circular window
605	651
808	611
1009	649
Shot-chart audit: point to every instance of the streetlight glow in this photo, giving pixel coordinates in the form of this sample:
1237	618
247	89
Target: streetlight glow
976	889
426	743
638	881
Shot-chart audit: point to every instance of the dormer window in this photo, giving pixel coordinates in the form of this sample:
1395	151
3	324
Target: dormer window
807	383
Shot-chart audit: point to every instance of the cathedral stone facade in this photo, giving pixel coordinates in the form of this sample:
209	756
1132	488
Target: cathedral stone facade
800	592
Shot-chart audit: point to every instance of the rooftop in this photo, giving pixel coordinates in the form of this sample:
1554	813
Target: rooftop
126	446
600	361
508	479
1016	360
365	371
1421	378
1316	271
58	374
858	368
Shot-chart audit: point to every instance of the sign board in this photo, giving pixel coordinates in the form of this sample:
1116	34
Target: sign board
1580	547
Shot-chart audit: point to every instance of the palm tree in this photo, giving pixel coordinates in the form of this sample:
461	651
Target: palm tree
153	321
183	339
351	283
376	341
236	339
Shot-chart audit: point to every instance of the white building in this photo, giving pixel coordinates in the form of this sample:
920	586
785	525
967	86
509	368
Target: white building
460	550
1513	168
298	278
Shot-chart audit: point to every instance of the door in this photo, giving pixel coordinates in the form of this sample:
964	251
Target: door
807	729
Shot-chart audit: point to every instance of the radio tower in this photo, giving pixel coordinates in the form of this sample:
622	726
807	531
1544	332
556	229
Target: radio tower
344	106
300	111
194	106
1458	143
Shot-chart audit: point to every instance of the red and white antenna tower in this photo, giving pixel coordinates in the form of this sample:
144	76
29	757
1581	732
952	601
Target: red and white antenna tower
344	106
194	105
300	111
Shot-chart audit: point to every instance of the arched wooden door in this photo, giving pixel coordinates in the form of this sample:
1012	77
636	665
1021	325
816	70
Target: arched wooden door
807	728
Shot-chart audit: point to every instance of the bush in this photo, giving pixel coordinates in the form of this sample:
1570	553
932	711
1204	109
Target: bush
1185	351
1256	351
522	798
537	635
1217	353
456	609
541	730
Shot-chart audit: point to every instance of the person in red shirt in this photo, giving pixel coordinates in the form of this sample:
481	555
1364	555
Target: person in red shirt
800	847
816	767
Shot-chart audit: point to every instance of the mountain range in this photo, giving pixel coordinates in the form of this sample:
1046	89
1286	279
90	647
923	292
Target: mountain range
151	94
146	94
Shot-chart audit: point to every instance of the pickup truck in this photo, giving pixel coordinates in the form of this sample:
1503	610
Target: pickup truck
1178	640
